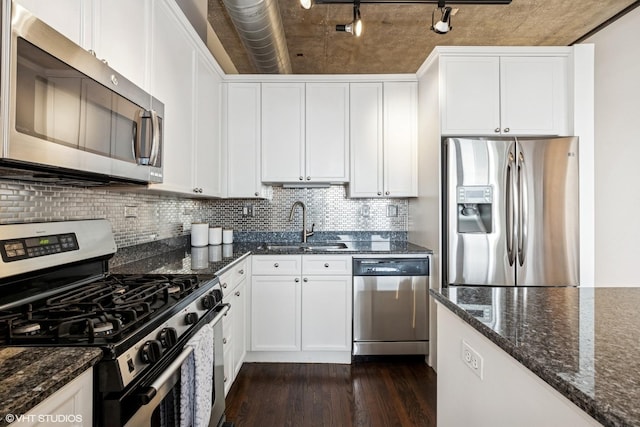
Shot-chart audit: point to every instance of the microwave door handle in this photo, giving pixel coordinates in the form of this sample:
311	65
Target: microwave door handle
155	144
137	129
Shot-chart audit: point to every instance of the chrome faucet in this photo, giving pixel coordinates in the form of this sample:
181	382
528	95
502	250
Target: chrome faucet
305	233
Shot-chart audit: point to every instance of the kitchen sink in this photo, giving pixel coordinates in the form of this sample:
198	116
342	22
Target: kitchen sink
302	246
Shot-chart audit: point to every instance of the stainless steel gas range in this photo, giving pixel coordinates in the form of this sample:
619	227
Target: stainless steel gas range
55	290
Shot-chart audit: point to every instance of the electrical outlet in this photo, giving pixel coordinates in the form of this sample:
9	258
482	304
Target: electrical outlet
130	211
472	359
392	210
365	211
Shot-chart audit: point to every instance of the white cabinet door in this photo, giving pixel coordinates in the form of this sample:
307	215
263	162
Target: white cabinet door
366	140
510	95
326	313
209	168
470	101
327	132
75	398
121	36
242	136
283	131
401	139
275	313
533	95
172	83
239	326
71	18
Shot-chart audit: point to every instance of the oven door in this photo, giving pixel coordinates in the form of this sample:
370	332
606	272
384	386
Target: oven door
155	401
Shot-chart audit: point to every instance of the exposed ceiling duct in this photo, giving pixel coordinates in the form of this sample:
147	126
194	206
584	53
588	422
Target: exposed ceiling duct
260	28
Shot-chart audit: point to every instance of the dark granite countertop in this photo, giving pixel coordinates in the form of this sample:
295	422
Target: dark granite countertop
28	375
215	259
582	341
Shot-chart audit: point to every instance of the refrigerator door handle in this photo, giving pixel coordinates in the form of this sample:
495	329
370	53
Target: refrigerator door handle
510	211
522	210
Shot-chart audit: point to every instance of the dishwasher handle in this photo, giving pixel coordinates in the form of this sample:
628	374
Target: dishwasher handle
391	266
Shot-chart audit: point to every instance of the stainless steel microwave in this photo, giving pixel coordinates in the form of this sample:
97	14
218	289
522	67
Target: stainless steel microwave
67	113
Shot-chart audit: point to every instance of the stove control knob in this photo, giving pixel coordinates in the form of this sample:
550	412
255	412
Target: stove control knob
209	301
151	351
168	337
191	318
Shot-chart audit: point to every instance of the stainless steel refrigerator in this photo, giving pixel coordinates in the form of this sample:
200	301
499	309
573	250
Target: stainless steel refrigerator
511	211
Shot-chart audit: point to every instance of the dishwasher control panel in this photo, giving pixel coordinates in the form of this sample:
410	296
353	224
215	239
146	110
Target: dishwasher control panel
390	266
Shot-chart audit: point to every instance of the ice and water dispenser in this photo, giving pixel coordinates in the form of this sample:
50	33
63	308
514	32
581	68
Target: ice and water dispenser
475	213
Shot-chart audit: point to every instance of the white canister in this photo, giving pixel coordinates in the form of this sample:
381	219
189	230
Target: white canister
199	258
227	236
199	234
215	235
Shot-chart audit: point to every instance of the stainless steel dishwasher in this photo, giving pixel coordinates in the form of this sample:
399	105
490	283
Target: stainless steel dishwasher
390	306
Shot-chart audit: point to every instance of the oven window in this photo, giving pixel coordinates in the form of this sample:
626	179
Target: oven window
57	103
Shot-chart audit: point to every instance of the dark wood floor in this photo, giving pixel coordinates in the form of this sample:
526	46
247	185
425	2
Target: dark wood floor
372	393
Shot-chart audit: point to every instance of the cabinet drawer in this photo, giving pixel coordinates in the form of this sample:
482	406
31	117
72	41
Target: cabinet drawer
326	264
276	264
232	277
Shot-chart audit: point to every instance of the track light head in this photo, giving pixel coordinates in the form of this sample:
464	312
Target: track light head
443	26
355	27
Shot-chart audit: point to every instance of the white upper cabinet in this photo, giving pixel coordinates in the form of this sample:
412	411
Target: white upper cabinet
327	132
122	39
172	82
401	139
305	132
71	18
209	172
283	132
384	146
504	95
241	130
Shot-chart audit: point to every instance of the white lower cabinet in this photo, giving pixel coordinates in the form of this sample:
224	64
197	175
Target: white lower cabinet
234	323
72	405
301	308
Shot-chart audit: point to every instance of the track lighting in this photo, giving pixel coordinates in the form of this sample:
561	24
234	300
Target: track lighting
443	26
355	27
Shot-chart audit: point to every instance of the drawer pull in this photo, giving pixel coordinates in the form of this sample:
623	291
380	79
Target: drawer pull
326	264
241	271
296	280
276	265
305	280
237	293
224	340
224	285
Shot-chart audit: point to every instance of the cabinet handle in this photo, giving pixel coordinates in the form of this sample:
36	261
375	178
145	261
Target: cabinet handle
326	264
379	193
308	178
225	378
507	130
305	280
296	280
276	265
497	130
241	271
237	293
224	340
256	194
224	285
387	193
114	79
300	178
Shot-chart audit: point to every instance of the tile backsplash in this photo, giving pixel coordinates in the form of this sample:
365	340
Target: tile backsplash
141	217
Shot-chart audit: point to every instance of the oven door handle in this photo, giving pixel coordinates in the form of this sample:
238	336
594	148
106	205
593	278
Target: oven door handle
221	314
151	391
